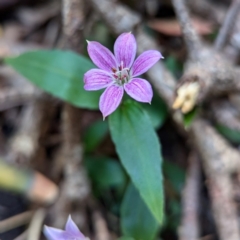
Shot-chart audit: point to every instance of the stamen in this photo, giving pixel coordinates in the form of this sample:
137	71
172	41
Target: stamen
121	66
124	76
121	75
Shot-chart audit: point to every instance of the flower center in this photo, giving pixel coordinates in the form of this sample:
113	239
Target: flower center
121	75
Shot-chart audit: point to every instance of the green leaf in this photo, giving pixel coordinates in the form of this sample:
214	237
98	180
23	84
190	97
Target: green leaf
136	219
173	216
95	134
126	238
174	174
231	134
139	150
105	172
59	73
174	183
189	117
109	181
173	65
157	111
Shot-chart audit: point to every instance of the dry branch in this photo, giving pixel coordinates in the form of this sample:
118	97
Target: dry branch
189	229
206	75
228	25
35	17
16	221
213	76
10	97
22	236
190	35
100	225
75	187
215	153
224	158
224	208
207	9
35	226
232	49
217	157
16	90
226	113
122	18
76	183
73	13
25	145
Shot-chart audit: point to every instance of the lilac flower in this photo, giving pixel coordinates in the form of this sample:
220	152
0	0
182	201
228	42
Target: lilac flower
71	232
118	73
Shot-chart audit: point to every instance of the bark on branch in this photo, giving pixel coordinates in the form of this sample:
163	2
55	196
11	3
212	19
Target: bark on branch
210	77
217	158
207	73
228	25
75	187
189	229
190	35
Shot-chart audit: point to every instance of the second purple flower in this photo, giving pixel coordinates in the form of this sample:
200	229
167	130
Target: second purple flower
118	73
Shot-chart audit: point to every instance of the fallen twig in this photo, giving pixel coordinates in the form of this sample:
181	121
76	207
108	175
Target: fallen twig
25	145
35	227
75	187
102	232
216	155
15	221
228	25
206	75
189	229
190	35
226	113
207	9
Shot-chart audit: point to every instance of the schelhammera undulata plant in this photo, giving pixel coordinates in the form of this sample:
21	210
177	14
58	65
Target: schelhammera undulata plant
71	232
119	72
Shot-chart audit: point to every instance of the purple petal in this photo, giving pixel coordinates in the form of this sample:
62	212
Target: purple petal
54	233
139	89
110	99
96	79
145	61
101	56
72	229
125	49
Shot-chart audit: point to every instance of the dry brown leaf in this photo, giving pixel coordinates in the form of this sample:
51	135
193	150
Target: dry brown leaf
171	26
